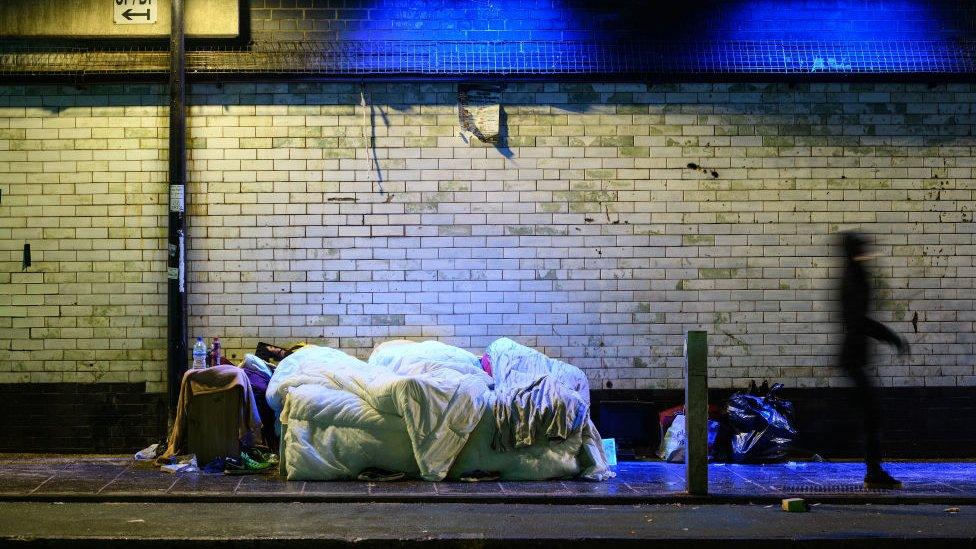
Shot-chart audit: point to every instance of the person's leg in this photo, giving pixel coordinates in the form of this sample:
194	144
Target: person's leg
870	415
876	476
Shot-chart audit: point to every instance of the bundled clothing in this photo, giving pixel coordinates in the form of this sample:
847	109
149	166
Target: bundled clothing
259	385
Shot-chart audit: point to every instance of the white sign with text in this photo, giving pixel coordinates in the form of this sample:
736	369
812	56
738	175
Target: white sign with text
135	12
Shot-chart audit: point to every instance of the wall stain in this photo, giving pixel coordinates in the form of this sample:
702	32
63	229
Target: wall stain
702	169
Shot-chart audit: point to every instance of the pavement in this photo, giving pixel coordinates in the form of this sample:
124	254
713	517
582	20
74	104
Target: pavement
69	502
304	524
121	479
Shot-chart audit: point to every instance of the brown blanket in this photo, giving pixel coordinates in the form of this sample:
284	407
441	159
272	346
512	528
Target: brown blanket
214	380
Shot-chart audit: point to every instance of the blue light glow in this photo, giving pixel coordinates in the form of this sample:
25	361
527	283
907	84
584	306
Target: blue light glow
575	37
803	20
469	20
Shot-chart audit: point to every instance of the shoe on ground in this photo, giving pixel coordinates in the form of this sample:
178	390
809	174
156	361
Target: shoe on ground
261	456
374	474
479	476
881	480
244	465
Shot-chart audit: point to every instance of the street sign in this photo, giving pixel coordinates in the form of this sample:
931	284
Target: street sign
115	18
135	12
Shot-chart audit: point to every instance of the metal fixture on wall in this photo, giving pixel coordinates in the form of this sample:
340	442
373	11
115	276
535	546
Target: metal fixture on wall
176	265
773	60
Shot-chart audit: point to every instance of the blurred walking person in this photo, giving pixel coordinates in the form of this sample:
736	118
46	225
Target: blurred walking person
855	352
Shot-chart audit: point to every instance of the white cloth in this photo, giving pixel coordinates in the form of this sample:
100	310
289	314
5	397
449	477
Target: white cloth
515	366
252	362
436	404
424	409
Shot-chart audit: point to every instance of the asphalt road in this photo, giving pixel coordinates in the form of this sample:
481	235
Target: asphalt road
266	525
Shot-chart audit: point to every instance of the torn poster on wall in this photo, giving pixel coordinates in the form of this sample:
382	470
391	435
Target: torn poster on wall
479	110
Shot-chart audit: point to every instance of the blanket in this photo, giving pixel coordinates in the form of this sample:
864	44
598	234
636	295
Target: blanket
436	400
214	380
518	369
429	409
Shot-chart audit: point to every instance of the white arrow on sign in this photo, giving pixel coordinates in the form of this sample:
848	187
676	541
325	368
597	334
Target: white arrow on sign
134	12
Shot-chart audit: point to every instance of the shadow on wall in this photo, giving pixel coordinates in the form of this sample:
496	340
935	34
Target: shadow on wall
638	98
500	142
719	99
365	100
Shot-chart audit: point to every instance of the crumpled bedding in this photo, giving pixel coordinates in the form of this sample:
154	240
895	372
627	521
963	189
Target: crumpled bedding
515	365
542	411
429	410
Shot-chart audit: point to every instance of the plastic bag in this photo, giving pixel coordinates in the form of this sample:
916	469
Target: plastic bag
149	453
665	417
185	464
762	427
675	441
674	444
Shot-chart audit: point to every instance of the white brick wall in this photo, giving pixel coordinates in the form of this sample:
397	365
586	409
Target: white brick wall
589	236
83	177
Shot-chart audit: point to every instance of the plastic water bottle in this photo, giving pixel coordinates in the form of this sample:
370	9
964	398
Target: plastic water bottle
199	354
215	352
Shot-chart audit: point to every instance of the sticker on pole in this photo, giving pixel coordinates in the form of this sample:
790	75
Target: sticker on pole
135	12
177	199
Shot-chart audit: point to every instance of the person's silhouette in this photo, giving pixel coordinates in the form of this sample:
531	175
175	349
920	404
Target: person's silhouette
858	327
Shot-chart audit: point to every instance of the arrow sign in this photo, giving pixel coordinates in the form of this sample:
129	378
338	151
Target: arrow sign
129	14
134	12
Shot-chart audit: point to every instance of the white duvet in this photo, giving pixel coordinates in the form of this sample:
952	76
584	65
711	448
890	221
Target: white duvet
429	410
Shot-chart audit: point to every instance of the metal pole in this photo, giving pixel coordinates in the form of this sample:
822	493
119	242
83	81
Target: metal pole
696	412
176	272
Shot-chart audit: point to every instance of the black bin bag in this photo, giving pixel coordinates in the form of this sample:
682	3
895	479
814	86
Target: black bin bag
762	426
